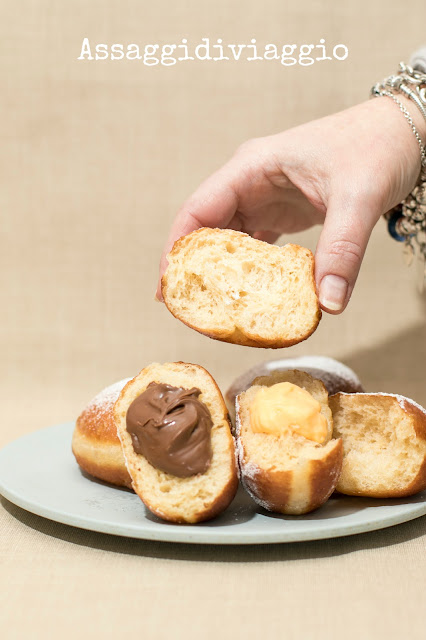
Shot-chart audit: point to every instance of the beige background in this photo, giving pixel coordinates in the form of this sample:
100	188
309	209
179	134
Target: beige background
95	160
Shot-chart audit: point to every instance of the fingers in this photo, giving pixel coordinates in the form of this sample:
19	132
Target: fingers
214	204
340	250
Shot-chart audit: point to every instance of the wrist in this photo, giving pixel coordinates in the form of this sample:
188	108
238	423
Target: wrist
417	117
403	140
406	89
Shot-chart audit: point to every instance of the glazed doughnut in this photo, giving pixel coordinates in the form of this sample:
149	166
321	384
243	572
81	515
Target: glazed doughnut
95	443
288	461
231	287
384	444
175	433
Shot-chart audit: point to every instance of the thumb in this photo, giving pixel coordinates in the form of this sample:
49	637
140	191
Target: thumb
340	250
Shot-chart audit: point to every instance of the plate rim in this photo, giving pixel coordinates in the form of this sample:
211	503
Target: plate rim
196	533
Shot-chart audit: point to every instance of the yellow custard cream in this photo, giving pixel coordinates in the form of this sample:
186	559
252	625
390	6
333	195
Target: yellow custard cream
285	406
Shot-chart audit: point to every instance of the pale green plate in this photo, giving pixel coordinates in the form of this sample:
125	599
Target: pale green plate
38	473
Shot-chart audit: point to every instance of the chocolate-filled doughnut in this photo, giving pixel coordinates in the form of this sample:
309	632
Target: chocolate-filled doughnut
172	429
175	433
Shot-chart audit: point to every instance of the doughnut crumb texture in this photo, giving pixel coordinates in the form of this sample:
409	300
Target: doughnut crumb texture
191	499
231	287
384	444
289	473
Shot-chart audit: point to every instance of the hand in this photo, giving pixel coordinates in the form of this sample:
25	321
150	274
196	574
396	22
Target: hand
343	171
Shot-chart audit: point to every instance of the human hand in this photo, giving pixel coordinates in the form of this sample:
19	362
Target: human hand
343	171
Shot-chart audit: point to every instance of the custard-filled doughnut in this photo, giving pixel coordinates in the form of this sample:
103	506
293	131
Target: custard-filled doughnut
175	433
289	462
95	444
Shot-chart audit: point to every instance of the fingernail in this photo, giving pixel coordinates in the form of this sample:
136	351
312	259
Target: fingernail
332	293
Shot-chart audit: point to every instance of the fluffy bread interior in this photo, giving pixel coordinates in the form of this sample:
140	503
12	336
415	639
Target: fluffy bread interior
232	287
383	453
170	497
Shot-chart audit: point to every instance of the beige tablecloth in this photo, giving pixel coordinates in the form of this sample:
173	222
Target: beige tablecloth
95	160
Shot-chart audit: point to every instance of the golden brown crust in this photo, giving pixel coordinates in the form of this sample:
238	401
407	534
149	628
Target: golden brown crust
110	469
95	443
273	489
322	472
98	426
238	336
270	489
226	495
419	418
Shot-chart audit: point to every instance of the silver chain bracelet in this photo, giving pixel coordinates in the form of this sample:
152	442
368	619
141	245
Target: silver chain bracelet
407	221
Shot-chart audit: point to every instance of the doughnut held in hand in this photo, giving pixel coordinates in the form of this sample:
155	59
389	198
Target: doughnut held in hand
175	432
288	462
95	443
234	288
384	444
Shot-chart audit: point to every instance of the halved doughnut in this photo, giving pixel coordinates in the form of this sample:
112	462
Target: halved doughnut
196	497
231	287
384	444
287	473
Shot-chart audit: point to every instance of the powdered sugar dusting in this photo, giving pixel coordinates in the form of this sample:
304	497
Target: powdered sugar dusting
260	501
104	400
248	469
239	451
330	371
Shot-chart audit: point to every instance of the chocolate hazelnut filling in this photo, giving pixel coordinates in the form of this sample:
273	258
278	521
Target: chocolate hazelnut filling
171	428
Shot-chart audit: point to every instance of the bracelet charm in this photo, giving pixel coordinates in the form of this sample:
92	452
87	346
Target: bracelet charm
407	221
407	224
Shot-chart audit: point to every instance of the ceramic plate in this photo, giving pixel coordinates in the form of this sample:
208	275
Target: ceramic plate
38	473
